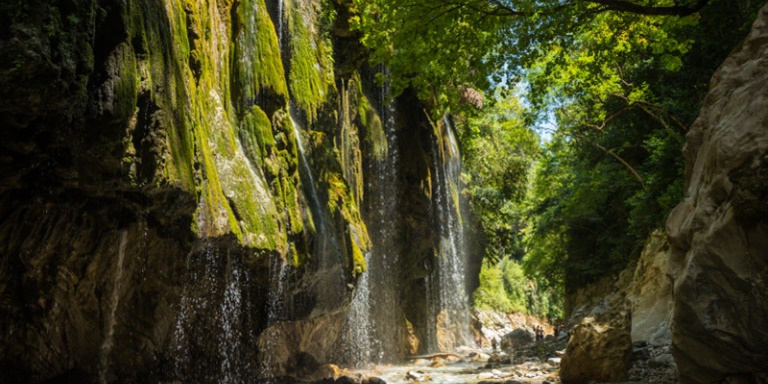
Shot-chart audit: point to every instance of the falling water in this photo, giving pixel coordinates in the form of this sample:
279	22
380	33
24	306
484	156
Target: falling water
278	275
106	346
358	335
453	315
230	311
327	251
212	334
373	314
280	22
305	164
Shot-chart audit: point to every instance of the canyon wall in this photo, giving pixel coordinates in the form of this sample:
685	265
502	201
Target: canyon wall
693	308
719	232
179	180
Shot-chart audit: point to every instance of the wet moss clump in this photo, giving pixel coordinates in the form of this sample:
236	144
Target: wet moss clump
370	122
311	72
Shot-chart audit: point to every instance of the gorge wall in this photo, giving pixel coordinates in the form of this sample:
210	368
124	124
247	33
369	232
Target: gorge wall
719	232
693	308
185	189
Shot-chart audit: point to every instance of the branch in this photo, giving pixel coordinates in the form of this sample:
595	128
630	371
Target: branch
609	118
618	158
627	6
611	153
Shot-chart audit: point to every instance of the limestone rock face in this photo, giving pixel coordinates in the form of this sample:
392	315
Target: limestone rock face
650	294
628	315
181	181
720	230
600	345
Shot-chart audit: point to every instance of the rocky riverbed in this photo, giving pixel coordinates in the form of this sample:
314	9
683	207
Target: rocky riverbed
537	363
471	366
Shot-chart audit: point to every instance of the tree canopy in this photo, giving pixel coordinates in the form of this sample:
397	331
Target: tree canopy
617	81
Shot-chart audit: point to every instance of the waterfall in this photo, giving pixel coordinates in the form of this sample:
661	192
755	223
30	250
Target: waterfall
305	164
230	311
327	251
358	337
280	23
114	298
451	312
278	276
373	317
212	336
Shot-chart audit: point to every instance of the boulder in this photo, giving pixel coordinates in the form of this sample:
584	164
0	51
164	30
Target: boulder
719	231
517	339
346	380
600	347
499	359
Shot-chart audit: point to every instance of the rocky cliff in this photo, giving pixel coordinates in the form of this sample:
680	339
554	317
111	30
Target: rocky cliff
720	230
620	326
693	309
181	179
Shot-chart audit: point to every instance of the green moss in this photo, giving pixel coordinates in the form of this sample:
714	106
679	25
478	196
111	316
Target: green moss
257	51
311	66
127	88
292	208
189	81
158	36
256	135
358	259
370	123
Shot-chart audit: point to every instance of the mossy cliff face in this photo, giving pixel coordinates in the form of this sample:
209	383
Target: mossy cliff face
151	178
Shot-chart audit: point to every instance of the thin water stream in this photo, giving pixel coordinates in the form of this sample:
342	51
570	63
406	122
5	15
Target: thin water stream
114	301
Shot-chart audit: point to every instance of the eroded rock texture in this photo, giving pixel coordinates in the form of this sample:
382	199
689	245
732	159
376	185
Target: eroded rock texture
621	325
156	213
600	345
720	230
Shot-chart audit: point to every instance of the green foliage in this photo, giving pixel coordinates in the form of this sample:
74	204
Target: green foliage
504	287
424	47
491	294
614	168
498	150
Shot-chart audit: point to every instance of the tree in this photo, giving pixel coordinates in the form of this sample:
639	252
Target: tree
620	79
498	151
439	45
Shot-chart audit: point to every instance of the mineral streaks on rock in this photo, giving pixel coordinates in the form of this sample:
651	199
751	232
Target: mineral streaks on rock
720	231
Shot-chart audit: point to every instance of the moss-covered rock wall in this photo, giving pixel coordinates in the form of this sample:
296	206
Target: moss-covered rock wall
166	123
180	178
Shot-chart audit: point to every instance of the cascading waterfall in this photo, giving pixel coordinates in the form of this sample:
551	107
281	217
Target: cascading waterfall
358	337
111	320
278	276
451	312
230	310
313	194
327	250
373	313
215	282
280	22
